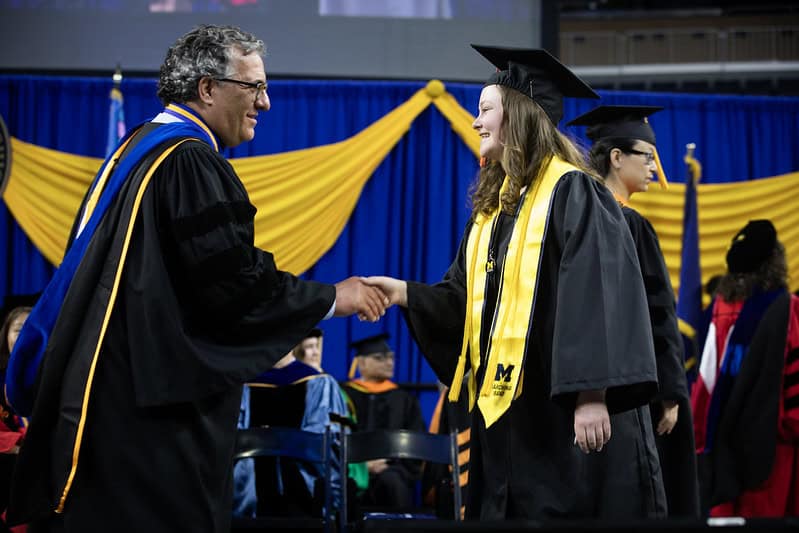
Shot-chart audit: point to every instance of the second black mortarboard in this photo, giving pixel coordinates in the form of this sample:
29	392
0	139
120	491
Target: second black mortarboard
537	74
315	332
622	122
370	345
619	121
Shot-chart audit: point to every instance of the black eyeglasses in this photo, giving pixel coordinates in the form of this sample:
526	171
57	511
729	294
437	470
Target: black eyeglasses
259	86
382	356
650	157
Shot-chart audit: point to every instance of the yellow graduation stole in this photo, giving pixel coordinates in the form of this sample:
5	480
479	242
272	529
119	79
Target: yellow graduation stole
514	308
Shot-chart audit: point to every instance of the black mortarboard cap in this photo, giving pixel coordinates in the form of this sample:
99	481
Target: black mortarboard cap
370	345
536	73
751	247
621	121
315	332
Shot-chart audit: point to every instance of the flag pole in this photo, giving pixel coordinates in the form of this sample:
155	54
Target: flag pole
116	113
117	77
689	299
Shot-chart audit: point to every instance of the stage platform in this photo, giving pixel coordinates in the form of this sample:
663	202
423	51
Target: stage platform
661	526
732	525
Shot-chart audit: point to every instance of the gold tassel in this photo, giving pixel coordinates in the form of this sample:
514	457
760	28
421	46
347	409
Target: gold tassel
353	368
664	184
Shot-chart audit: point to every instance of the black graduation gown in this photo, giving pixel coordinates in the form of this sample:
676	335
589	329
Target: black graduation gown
392	409
590	331
200	310
677	450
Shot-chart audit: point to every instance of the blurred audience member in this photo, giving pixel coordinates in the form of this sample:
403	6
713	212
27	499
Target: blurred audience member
380	404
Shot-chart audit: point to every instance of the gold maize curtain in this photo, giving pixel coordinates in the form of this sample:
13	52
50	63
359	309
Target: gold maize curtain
723	209
46	186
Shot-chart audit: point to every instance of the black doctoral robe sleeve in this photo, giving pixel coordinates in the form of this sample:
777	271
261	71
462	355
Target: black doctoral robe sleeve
436	313
602	338
662	308
219	309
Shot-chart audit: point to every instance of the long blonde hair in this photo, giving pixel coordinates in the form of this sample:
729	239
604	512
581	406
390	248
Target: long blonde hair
529	141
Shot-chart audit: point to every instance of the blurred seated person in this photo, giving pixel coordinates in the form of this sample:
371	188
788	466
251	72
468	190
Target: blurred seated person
12	427
294	394
380	404
436	479
309	350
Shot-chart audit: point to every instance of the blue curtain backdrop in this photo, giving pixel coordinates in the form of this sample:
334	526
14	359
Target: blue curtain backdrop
409	219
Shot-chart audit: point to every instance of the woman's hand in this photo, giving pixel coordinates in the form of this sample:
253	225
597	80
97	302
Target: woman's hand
669	418
591	421
395	289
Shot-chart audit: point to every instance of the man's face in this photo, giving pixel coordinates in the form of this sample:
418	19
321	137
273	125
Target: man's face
234	108
377	366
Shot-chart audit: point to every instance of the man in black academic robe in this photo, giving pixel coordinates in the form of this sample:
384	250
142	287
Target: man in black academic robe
379	403
170	309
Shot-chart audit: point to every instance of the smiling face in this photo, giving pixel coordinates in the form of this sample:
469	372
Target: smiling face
489	123
230	109
636	168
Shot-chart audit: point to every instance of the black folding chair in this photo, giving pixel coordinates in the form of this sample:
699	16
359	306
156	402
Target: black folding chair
293	443
363	446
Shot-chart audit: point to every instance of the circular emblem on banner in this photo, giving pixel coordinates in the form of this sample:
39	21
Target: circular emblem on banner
5	156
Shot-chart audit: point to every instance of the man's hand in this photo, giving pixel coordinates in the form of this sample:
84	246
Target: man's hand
395	289
354	296
591	421
376	466
669	418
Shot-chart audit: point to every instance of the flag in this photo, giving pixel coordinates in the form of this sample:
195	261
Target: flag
689	298
116	121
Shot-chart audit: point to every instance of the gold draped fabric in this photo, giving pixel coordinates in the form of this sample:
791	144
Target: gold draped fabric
305	197
723	209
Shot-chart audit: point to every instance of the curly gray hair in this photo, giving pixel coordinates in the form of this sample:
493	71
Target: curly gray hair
204	51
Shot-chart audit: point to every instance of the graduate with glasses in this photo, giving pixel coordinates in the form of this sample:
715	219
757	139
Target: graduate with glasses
624	155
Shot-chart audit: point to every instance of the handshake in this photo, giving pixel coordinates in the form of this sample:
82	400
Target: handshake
369	297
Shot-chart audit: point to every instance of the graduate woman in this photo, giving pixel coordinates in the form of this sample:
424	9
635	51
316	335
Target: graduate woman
623	154
544	303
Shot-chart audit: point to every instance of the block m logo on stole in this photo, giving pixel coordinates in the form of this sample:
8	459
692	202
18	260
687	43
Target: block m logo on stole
504	374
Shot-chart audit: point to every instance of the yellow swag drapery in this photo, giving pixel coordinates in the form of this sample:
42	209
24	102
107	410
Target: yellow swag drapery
305	197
